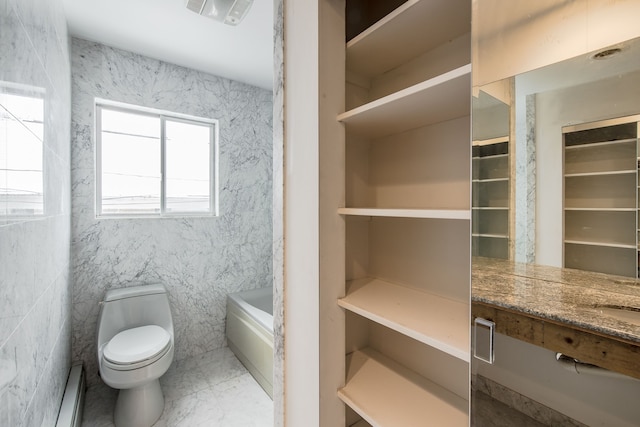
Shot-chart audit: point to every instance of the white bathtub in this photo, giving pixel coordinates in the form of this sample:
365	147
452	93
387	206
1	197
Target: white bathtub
250	333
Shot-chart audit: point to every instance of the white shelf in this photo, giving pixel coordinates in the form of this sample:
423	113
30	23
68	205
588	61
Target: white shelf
410	30
601	209
441	98
386	394
603	244
490	180
490	141
597	144
490	156
493	236
408	213
431	319
620	172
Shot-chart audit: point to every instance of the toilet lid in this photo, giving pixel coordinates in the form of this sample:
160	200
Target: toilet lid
136	344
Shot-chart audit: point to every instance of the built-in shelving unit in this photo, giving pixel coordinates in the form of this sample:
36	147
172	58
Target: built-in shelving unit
601	196
407	217
491	189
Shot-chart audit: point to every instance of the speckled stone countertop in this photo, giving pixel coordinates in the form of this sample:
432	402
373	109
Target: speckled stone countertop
566	296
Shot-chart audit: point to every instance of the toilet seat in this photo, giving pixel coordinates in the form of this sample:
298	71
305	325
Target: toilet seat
136	347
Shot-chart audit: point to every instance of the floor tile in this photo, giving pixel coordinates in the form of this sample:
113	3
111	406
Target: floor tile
212	389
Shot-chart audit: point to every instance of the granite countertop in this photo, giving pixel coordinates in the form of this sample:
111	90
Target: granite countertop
566	296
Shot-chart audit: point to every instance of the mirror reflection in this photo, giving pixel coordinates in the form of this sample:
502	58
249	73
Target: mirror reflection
555	164
21	151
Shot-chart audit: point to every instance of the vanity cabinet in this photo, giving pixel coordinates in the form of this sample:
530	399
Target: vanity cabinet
601	196
407	218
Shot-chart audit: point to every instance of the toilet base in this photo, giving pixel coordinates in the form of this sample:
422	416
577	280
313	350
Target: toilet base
139	406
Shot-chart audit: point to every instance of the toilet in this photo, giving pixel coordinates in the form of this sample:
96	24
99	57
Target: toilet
135	348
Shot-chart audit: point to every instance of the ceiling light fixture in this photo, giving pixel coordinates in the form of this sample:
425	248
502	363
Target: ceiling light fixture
607	53
231	12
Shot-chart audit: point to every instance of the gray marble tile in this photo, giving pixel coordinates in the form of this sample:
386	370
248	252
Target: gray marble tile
278	212
205	390
200	260
34	251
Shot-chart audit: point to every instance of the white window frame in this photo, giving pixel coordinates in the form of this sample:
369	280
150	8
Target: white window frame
163	115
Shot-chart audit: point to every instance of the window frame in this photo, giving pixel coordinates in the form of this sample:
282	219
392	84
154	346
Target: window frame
164	116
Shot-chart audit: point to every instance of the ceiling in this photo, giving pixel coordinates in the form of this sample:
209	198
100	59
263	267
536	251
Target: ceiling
168	31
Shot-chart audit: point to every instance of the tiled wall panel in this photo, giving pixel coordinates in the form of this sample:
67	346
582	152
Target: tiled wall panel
199	260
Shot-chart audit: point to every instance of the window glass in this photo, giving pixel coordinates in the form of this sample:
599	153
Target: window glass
187	166
132	148
21	155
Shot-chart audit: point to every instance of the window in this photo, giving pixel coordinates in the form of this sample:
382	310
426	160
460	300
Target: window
21	152
154	163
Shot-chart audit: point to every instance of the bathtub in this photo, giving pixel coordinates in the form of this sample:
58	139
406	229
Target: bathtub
250	333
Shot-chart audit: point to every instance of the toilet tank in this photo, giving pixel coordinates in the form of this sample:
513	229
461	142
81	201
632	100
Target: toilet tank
127	308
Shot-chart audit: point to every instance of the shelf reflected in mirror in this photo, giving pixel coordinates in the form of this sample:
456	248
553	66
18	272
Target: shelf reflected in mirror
537	196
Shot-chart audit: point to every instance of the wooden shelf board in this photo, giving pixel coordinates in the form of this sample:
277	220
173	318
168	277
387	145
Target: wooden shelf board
605	244
431	319
442	98
387	44
386	394
409	213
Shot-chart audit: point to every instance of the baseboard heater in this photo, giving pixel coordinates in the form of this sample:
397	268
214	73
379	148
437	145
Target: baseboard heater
70	414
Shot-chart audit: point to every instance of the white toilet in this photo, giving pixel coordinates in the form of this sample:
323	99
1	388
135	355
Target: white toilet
135	348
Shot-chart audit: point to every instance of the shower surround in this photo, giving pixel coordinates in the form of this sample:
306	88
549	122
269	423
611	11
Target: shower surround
199	260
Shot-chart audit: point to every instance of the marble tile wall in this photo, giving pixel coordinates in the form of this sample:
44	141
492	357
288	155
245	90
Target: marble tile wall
35	249
278	212
199	260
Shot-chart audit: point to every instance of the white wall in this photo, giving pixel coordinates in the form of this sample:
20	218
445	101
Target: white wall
301	201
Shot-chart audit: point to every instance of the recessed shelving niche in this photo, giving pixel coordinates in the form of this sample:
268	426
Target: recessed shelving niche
407	217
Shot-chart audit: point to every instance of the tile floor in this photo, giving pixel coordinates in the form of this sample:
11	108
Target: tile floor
213	389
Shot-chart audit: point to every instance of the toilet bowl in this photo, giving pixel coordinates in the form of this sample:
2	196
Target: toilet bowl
135	348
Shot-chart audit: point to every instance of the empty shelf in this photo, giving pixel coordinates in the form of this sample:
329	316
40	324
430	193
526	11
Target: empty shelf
386	394
603	244
431	319
387	44
493	236
614	172
439	99
408	213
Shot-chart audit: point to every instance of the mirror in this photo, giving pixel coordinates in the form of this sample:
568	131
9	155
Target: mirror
555	164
